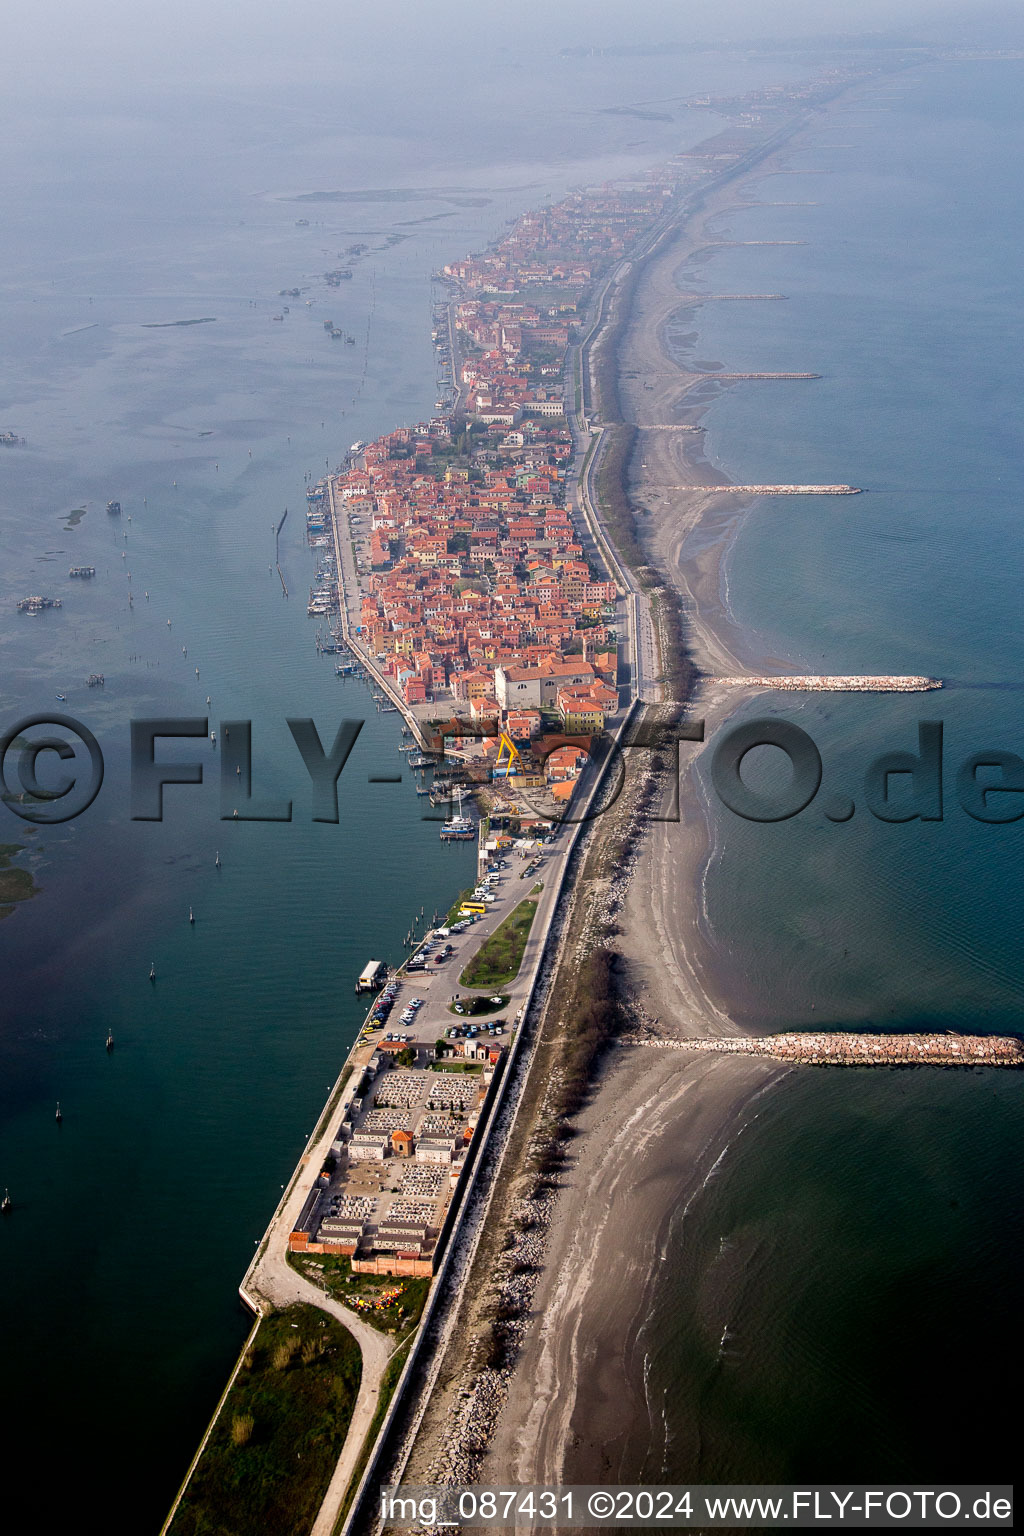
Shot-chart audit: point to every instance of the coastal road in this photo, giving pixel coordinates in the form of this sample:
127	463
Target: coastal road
634	605
282	1286
634	617
272	1282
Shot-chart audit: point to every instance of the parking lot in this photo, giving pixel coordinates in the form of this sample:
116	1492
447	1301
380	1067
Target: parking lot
424	993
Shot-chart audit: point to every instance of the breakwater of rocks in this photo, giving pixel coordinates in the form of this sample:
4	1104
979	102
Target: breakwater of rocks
840	683
821	1049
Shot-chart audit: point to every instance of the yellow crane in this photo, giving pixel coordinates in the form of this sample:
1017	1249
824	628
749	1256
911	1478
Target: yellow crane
506	743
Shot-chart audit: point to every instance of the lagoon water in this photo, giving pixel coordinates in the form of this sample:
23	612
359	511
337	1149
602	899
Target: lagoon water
834	1304
130	206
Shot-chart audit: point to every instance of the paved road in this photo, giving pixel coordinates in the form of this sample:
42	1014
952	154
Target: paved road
278	1283
273	1282
635	621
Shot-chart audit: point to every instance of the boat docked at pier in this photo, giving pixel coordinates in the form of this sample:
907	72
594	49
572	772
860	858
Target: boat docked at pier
458	828
372	977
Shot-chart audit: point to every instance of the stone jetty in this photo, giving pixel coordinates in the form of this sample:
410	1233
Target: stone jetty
841	683
819	1049
772	490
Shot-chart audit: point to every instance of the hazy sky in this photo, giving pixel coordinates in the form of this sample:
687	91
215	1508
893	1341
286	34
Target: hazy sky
50	46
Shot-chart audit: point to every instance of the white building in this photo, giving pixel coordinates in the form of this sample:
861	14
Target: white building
367	1149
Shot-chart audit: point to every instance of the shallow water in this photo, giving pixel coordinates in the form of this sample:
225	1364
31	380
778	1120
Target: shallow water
861	1241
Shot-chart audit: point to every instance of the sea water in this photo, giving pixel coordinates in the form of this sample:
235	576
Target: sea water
833	1303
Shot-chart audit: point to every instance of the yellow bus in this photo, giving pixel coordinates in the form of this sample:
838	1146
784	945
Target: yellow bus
473	906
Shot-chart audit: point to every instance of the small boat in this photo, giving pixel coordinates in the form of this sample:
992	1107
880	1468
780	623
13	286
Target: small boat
62	698
110	1040
6	1204
217	861
152	971
58	1116
191	917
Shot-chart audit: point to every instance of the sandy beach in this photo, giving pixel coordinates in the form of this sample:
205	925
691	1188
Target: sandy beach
577	1409
668	403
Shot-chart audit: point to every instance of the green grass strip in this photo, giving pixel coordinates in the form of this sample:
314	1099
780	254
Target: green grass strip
271	1454
498	959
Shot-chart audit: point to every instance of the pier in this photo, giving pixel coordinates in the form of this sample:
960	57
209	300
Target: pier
852	683
772	490
711	374
277	551
855	1050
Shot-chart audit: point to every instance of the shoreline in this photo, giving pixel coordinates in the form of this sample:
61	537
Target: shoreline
650	1138
523	1416
577	1407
